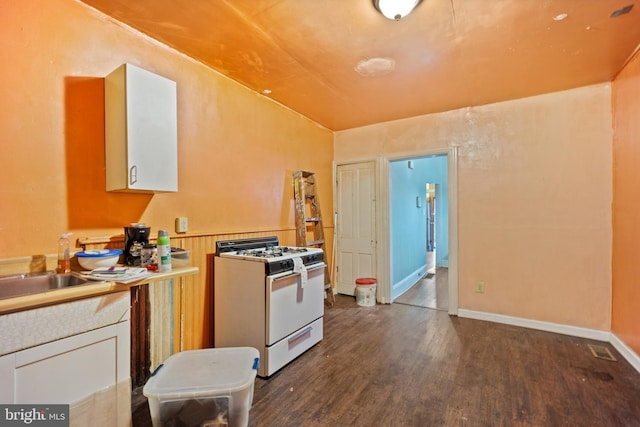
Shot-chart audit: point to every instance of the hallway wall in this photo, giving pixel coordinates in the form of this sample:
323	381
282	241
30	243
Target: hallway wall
408	222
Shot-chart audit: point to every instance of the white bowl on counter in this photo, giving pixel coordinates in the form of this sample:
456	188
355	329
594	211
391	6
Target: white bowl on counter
96	258
180	257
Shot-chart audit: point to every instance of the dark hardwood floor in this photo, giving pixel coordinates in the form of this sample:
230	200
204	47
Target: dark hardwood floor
404	365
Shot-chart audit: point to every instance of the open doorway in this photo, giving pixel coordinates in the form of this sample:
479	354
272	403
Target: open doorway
419	231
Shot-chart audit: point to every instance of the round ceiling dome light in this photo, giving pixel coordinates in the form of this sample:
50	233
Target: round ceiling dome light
373	67
395	9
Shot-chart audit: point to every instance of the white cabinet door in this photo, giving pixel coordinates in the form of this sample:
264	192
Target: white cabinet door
88	371
140	131
75	353
67	370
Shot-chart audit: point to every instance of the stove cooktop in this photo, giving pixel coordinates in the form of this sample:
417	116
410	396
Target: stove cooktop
273	252
277	259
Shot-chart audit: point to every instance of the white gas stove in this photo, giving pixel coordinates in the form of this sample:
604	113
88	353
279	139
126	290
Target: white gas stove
269	297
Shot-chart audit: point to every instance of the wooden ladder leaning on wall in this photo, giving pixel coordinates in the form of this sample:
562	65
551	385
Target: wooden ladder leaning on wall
310	231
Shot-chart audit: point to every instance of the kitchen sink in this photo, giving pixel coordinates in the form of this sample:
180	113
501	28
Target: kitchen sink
33	283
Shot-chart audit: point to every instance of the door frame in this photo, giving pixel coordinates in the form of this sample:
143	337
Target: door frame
452	176
382	210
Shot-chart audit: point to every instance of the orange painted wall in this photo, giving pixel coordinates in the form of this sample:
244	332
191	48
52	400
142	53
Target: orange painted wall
535	192
237	149
625	322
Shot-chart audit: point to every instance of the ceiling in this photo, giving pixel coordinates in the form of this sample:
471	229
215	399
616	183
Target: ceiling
447	54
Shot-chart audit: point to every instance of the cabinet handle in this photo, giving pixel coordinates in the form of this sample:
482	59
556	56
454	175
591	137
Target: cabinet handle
133	175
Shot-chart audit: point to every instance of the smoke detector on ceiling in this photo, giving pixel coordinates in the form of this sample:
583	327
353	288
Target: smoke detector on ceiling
374	67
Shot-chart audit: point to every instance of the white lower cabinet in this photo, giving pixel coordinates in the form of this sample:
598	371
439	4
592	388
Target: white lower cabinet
87	370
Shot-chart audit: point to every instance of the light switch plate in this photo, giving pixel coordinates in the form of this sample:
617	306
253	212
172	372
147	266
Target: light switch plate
182	224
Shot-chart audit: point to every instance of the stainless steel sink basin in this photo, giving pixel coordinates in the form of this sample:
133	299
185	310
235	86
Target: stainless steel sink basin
32	283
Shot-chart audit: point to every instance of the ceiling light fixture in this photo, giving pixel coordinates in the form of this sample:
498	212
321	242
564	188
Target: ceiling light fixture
395	9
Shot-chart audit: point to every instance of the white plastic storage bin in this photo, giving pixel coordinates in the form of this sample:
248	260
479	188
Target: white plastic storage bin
212	386
366	291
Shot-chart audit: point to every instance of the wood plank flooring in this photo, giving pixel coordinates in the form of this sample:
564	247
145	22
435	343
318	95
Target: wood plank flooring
403	365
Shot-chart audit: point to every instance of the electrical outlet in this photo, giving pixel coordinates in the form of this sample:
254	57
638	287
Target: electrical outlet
182	224
480	288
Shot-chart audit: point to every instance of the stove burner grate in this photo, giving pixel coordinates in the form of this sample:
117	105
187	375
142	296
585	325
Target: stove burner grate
271	252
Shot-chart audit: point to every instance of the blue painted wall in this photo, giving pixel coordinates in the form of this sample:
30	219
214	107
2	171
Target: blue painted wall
409	222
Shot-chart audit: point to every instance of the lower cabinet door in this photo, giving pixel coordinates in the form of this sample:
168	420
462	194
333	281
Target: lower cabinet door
66	370
87	371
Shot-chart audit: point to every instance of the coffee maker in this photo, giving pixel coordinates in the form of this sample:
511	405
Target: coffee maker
135	238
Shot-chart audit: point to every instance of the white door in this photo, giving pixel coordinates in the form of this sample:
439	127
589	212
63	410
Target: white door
355	225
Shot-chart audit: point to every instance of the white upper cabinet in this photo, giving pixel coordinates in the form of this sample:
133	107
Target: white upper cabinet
141	137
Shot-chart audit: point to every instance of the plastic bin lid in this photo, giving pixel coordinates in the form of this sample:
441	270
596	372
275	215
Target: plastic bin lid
206	372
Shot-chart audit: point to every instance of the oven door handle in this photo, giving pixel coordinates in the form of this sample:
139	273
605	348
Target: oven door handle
313	267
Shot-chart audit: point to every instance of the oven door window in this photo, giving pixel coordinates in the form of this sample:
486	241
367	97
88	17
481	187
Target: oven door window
292	304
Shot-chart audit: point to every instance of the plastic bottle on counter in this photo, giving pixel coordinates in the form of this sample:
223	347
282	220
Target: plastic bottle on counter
164	252
64	256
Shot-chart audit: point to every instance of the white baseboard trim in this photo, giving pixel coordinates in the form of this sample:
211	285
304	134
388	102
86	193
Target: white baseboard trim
575	331
594	334
625	351
405	284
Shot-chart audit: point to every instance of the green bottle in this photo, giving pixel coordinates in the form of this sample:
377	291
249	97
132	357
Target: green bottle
164	252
